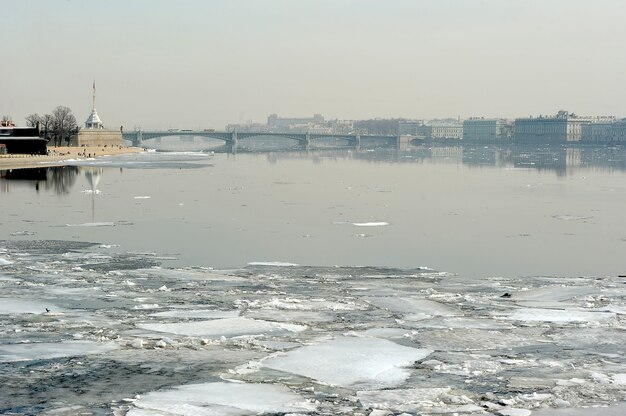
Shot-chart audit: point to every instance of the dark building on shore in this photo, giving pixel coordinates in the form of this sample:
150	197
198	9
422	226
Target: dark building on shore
22	140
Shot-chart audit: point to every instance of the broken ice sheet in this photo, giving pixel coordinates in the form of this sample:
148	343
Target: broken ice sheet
558	315
49	350
228	327
19	306
364	363
228	399
196	314
414	309
403	400
618	410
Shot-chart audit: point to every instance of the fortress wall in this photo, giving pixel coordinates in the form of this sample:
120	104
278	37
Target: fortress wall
98	137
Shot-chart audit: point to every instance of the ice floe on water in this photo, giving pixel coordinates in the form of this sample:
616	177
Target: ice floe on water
21	306
50	350
93	224
196	314
567	217
559	315
221	398
225	327
272	263
414	308
358	362
4	262
310	340
370	224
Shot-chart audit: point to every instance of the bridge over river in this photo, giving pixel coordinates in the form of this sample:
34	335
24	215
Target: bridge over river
231	138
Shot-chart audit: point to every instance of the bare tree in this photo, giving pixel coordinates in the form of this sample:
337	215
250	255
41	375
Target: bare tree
6	121
63	125
46	126
33	119
61	178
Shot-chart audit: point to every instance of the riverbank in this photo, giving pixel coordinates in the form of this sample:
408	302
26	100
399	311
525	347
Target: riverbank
60	155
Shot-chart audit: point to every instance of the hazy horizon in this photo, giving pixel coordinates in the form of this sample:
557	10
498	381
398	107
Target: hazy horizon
204	64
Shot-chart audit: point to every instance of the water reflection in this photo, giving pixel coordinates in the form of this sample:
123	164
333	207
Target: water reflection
561	160
93	176
59	179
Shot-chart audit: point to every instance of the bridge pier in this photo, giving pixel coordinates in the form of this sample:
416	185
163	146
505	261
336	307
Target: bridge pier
357	142
404	142
233	142
137	139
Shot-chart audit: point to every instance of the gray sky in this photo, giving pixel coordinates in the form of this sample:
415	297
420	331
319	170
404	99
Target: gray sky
205	63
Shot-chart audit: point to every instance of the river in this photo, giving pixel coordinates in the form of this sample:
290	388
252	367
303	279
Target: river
211	279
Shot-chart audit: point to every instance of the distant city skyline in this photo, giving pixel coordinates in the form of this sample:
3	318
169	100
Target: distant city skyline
205	64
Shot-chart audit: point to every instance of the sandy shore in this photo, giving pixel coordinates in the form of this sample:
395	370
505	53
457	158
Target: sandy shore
58	156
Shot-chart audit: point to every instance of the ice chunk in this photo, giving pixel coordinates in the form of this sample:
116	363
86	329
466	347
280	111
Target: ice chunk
420	308
16	306
221	399
228	327
465	323
618	410
366	363
554	293
619	379
278	315
515	412
403	400
4	262
370	224
197	313
559	315
272	263
49	350
306	304
92	224
142	197
567	217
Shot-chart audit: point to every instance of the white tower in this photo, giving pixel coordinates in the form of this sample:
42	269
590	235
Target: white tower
93	121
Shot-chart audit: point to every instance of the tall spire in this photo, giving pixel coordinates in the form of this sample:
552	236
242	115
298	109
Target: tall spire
93	121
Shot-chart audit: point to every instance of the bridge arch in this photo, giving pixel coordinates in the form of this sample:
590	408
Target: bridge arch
232	137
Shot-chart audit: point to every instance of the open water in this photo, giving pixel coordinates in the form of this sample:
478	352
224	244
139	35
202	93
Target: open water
431	280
